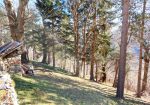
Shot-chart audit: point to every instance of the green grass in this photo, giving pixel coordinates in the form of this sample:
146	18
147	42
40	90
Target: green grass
50	68
62	89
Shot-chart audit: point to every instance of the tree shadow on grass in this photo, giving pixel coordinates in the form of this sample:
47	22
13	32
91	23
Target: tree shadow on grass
63	91
50	68
84	91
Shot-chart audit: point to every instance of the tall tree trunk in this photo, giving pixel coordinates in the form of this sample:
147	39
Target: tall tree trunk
24	57
87	68
74	65
140	55
77	66
44	60
16	22
76	37
146	66
77	49
65	58
70	65
53	54
53	46
44	46
92	64
116	73
84	51
96	73
84	72
93	47
64	63
103	74
122	61
34	53
49	57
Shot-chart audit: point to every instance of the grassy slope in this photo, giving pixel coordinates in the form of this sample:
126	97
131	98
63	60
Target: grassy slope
62	89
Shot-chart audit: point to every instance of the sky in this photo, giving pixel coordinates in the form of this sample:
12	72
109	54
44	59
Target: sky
15	3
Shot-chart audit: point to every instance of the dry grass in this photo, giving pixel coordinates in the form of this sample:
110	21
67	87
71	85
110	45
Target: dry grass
47	88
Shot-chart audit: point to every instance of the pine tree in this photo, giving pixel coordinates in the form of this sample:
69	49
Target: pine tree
141	48
123	48
51	12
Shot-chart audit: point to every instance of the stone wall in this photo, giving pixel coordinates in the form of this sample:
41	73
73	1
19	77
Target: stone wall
6	86
6	83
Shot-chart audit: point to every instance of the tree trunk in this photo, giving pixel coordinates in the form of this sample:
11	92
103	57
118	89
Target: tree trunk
84	72
122	61
64	64
93	48
96	73
77	67
77	49
116	73
74	65
103	74
44	46
140	55
76	36
146	66
49	57
92	71
53	54
16	23
53	46
24	57
87	68
70	65
84	51
44	60
34	53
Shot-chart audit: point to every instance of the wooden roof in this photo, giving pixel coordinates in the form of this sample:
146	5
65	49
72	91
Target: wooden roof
10	49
